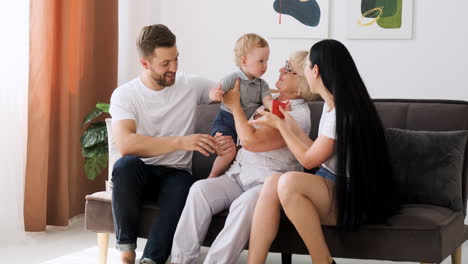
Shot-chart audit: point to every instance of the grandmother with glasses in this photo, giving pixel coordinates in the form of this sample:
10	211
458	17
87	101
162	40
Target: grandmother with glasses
263	153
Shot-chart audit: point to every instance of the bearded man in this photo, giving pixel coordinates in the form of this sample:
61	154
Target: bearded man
153	127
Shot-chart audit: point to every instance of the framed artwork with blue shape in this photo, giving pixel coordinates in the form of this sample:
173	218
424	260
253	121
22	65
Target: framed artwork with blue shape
297	18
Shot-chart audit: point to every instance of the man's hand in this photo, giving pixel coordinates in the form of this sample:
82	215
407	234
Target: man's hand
225	143
205	144
216	94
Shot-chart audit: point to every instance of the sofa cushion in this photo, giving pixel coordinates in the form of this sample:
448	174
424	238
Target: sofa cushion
420	233
428	166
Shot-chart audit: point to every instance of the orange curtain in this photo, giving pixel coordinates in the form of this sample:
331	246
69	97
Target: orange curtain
73	65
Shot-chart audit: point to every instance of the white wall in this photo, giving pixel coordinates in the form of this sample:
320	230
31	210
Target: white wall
14	53
133	15
434	64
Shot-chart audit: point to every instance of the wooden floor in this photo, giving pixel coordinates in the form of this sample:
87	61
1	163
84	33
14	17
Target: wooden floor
36	248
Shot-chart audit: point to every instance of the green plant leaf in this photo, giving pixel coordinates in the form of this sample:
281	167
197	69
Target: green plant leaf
94	147
91	115
103	106
98	149
95	134
94	165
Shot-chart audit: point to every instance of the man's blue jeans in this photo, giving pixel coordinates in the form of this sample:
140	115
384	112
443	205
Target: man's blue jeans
136	183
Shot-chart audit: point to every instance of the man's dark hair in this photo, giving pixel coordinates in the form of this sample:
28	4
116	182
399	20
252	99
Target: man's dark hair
152	37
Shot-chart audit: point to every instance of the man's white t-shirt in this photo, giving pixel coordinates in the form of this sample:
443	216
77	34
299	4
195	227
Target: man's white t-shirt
166	113
327	127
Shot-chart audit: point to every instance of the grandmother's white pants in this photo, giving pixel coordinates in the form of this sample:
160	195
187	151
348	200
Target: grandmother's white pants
207	198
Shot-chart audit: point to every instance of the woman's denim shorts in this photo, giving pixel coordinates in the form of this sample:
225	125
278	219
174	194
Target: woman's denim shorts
325	173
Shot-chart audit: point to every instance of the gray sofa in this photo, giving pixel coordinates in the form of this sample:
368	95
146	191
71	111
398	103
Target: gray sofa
430	226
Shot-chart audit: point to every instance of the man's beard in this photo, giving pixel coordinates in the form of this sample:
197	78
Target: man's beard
163	80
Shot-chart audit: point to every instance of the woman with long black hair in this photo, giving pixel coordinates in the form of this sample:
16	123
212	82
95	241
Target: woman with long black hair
354	184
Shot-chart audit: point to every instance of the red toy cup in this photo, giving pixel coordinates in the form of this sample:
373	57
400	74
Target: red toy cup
275	105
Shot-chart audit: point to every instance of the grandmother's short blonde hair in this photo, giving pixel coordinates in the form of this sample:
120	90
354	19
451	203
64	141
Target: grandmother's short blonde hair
246	43
297	61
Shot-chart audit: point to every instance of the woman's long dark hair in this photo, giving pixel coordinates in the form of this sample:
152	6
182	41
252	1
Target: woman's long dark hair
365	185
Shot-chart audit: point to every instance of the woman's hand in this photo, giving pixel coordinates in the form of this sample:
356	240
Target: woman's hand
289	121
271	120
267	119
231	99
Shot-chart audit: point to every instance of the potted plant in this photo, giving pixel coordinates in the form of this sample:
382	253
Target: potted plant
94	147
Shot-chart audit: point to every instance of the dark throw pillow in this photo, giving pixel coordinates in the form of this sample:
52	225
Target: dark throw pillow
428	166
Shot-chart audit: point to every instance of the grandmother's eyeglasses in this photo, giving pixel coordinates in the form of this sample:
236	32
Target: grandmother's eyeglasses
288	69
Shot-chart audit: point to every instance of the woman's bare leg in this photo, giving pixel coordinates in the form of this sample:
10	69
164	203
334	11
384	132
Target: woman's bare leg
265	221
307	201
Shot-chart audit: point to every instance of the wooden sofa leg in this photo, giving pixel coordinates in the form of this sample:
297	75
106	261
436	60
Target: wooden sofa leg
457	256
286	258
103	244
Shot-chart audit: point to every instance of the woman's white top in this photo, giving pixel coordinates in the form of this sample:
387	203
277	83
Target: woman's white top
327	127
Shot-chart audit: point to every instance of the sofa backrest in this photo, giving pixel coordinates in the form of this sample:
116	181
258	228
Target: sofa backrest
419	115
427	115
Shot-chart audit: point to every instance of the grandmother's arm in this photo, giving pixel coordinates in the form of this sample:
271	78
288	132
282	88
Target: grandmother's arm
258	139
252	139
